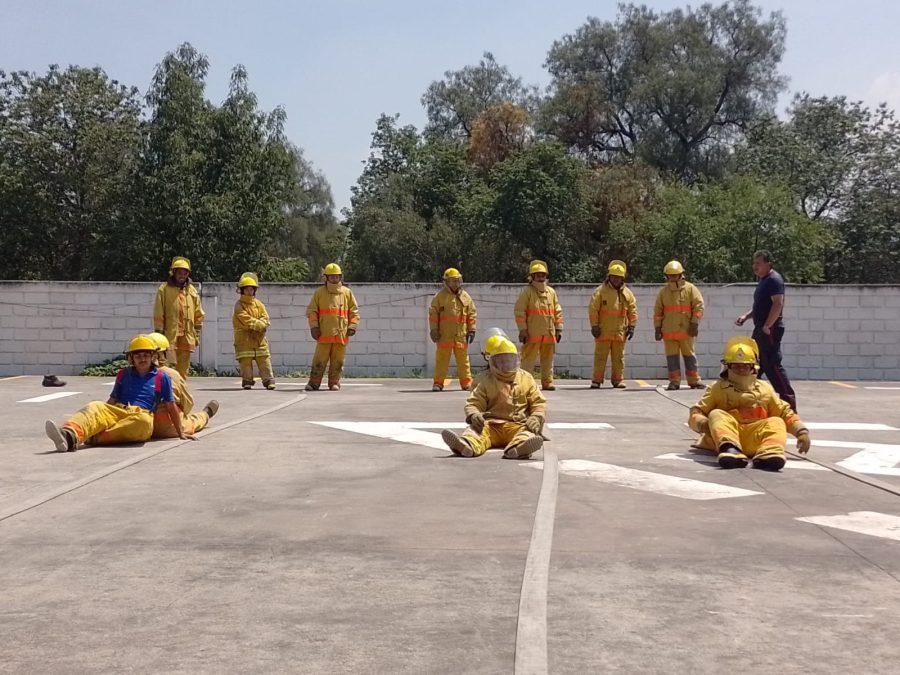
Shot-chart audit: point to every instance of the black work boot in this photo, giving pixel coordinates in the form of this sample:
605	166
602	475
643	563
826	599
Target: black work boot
731	457
211	408
769	463
673	386
52	381
456	444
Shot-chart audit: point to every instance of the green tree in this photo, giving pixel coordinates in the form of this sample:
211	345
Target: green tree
673	89
69	150
215	180
455	102
715	228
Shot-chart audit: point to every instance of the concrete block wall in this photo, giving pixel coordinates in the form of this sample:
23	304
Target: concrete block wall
833	332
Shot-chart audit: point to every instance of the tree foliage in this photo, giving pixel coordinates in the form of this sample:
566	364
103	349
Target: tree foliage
91	188
672	90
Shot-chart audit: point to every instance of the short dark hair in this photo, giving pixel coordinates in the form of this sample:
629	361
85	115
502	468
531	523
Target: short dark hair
765	255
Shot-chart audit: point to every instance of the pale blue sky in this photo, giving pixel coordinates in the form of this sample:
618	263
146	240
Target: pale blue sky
335	66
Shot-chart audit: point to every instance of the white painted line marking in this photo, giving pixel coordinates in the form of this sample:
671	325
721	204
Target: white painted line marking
711	460
49	397
864	522
12	377
883	388
531	627
843	384
303	384
109	384
647	481
413	432
874	458
848	426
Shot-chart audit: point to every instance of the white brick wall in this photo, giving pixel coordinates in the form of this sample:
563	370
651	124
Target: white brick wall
833	332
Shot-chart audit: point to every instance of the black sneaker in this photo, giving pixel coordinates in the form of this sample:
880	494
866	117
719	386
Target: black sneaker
732	458
52	381
673	386
698	385
596	385
769	463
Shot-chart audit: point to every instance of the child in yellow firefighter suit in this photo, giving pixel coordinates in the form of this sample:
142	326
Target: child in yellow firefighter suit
191	421
127	416
613	316
676	318
539	318
452	319
742	418
505	409
333	317
250	321
178	315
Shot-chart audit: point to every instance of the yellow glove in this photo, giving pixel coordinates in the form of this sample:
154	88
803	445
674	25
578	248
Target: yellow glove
534	424
803	441
476	421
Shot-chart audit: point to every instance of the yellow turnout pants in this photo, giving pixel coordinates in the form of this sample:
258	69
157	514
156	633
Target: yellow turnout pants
683	347
190	424
330	355
263	364
442	364
102	423
531	351
603	349
762	438
496	434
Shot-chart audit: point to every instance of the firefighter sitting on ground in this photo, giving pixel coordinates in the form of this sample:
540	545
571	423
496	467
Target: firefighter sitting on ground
250	321
452	319
505	409
191	421
742	418
127	416
613	316
333	318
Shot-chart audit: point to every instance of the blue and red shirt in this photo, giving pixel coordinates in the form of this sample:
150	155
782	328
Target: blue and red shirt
145	391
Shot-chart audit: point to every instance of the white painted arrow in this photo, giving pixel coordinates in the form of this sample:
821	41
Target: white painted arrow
879	459
864	522
647	481
412	432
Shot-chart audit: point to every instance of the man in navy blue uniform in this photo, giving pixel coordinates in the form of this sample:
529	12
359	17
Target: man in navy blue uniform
768	326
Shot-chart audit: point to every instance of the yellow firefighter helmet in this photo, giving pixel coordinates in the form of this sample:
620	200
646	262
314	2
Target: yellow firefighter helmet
180	263
616	268
141	343
741	349
160	340
673	267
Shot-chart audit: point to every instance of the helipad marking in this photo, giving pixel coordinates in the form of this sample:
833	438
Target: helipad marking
648	481
843	384
874	458
413	432
49	397
848	426
642	383
711	461
883	388
871	523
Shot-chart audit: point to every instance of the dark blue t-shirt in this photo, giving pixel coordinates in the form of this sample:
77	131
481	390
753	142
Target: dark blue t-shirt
134	389
769	285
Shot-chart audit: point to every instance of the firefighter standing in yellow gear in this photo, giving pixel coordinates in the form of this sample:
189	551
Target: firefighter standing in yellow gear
250	321
539	318
452	319
505	409
676	319
742	418
127	415
613	316
191	422
178	315
333	318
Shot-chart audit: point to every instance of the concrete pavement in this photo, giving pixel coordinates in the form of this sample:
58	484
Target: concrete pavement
282	543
